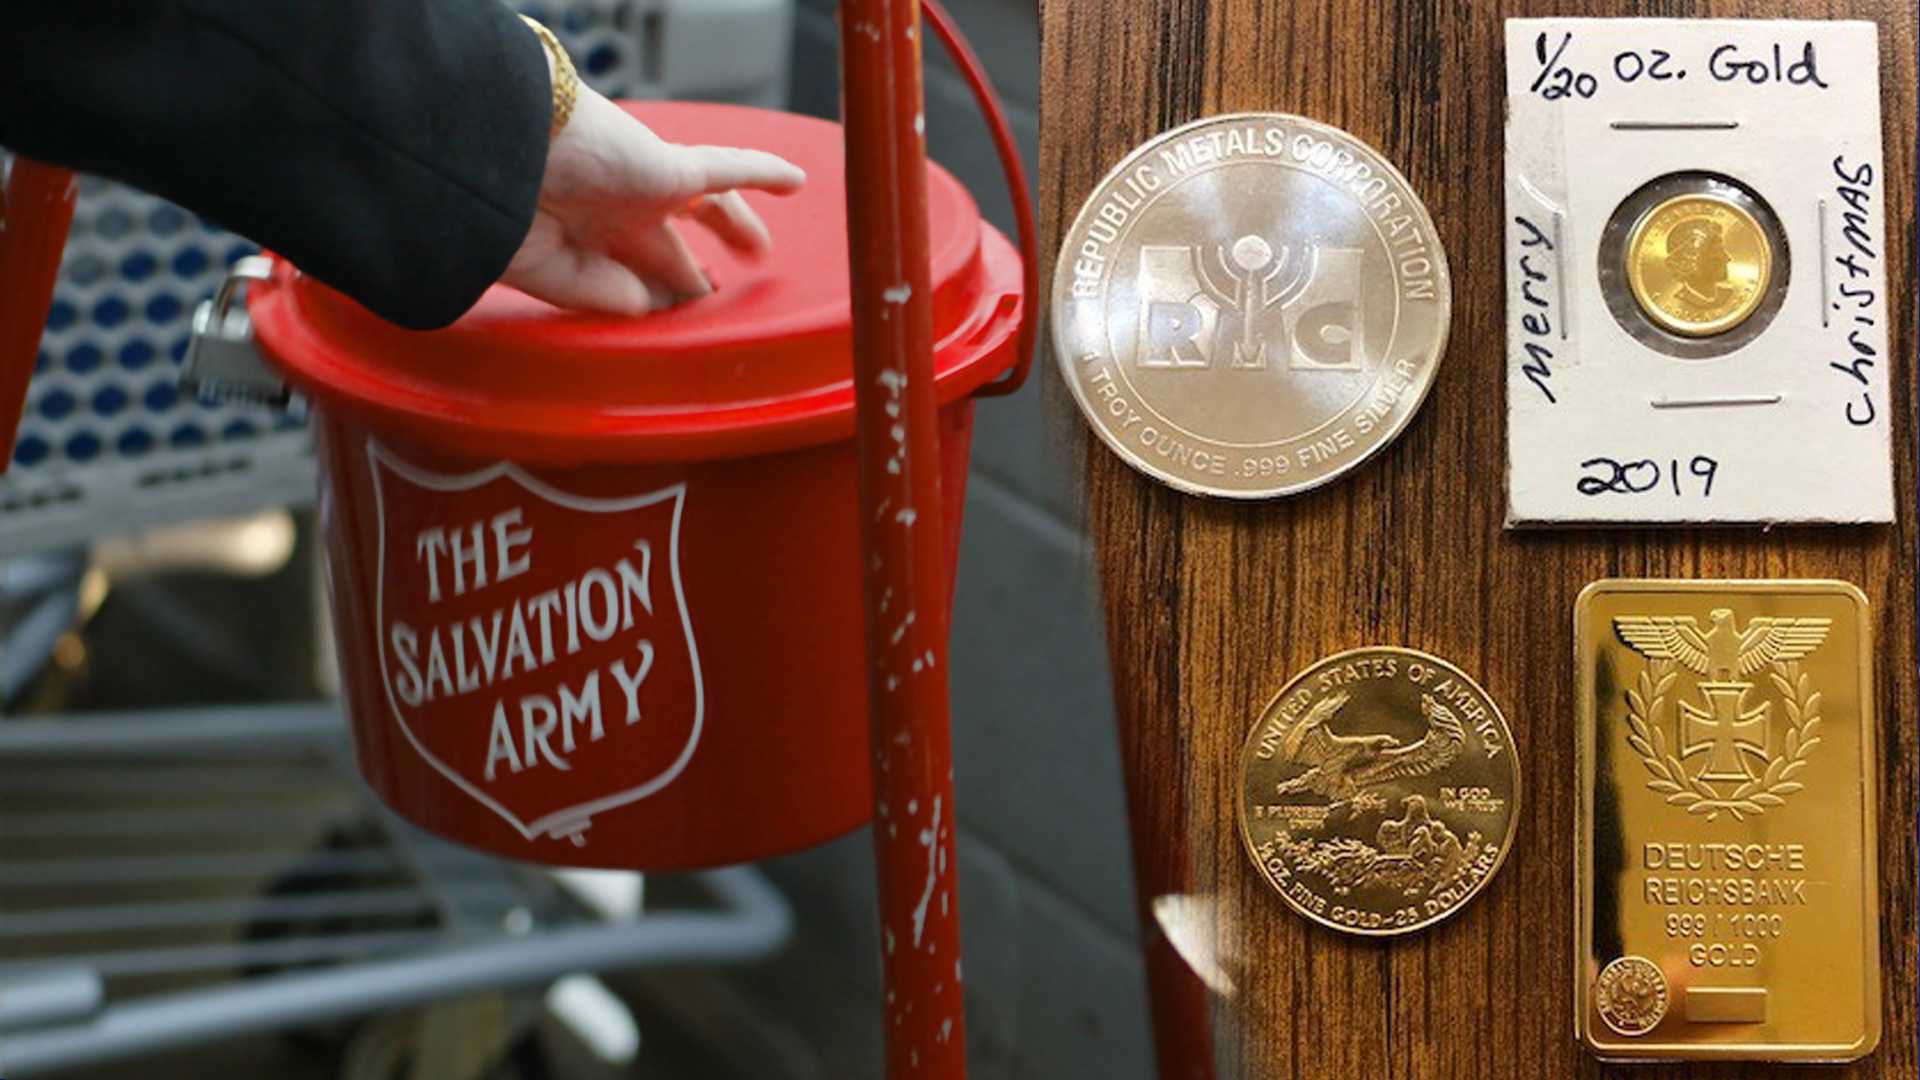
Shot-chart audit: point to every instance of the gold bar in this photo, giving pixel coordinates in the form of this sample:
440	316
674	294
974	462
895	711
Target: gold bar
1726	897
1727	1005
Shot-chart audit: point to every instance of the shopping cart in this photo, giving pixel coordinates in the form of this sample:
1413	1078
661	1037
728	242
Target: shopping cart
170	878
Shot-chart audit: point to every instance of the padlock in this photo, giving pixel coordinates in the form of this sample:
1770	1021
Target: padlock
222	364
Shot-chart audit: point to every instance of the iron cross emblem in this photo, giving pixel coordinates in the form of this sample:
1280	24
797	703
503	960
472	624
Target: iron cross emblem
1726	733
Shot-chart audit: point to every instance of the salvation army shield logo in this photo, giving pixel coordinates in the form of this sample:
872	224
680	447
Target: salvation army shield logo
535	645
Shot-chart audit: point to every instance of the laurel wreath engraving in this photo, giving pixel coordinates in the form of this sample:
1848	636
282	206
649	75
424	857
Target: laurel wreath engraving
1771	788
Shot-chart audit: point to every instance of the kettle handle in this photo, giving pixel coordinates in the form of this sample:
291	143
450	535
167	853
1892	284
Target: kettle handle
36	211
1018	189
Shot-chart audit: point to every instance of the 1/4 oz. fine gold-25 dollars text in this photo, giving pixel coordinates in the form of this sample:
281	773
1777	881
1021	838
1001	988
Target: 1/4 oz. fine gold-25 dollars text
1725	892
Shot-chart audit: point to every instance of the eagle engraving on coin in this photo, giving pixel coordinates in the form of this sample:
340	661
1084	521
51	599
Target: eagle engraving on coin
1341	766
1378	791
1720	756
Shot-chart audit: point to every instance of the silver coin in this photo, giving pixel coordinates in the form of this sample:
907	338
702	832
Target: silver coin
1251	305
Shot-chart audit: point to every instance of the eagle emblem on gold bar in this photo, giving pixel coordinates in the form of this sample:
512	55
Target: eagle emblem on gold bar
1723	740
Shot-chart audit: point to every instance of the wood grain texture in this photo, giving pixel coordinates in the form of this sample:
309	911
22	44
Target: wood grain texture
1210	606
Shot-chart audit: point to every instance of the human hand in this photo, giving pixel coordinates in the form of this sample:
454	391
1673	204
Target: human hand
603	237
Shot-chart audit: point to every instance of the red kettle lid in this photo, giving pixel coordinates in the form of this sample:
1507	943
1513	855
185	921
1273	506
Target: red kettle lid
763	364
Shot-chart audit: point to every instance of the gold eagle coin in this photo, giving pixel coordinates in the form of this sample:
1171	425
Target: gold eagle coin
1379	791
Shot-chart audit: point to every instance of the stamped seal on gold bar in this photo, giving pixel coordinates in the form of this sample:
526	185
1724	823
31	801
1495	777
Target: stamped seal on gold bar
1726	899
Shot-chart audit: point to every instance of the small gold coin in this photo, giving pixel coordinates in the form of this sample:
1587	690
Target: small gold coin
1379	791
1631	995
1699	264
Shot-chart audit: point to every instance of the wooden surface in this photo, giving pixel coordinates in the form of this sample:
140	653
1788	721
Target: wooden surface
1211	606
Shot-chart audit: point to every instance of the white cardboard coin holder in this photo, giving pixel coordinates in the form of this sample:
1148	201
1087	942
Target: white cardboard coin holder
1606	426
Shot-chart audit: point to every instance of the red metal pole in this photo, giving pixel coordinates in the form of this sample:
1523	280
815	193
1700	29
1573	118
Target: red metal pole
34	218
905	555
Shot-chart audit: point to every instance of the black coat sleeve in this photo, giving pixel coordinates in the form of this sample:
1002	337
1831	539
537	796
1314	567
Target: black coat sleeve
391	148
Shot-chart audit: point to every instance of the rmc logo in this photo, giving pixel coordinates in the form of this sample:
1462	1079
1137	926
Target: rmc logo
1236	304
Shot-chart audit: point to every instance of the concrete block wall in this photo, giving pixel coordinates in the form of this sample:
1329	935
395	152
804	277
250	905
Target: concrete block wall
1056	989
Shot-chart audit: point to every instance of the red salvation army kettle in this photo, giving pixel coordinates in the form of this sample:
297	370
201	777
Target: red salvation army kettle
595	581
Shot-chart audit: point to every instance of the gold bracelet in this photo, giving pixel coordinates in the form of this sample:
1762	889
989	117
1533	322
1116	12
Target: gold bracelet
566	79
